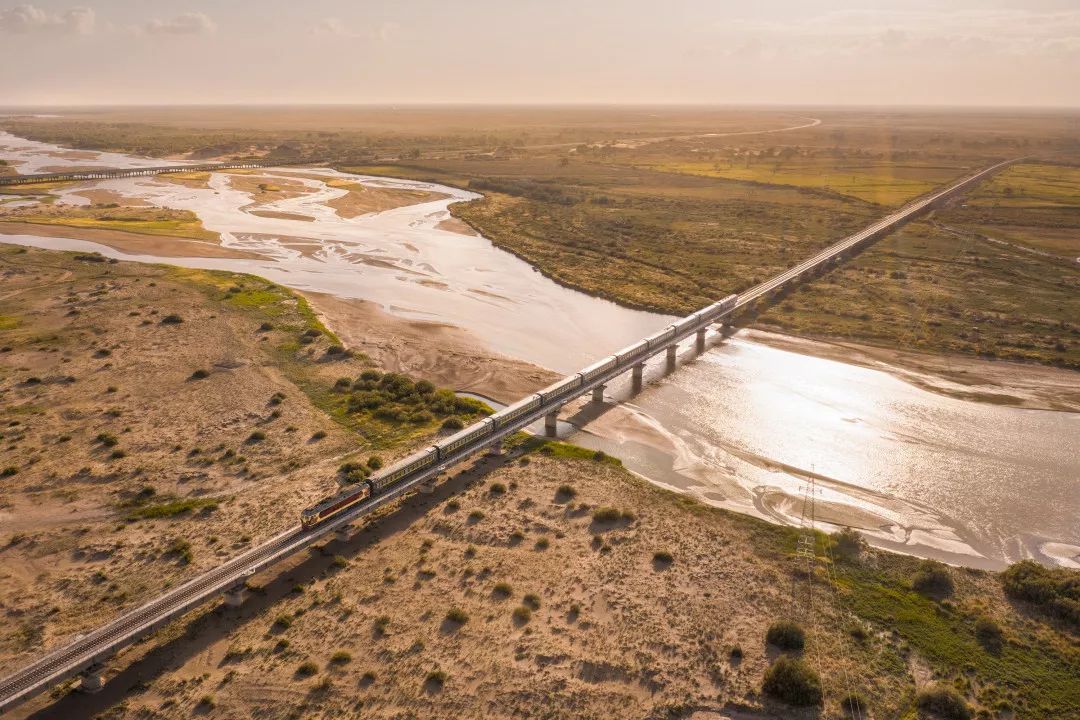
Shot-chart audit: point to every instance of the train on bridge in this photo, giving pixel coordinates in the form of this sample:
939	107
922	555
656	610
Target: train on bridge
473	436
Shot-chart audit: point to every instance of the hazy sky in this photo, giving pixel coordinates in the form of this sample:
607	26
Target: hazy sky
956	52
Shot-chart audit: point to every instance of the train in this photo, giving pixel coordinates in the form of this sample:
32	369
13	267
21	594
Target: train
446	450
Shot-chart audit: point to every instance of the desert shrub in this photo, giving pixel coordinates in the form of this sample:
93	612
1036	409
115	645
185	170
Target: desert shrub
476	516
436	677
933	580
532	601
307	669
283	621
848	543
663	557
172	319
457	615
9	471
374	462
342	383
989	634
117	454
943	702
341	657
605	515
318	435
792	681
424	387
381	623
453	423
566	492
107	439
421	417
504	589
1055	591
786	635
266	327
257	436
736	652
371	376
543	544
522	614
497	488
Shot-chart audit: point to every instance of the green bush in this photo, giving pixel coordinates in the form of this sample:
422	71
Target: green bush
933	580
943	702
1055	591
606	515
453	423
565	493
497	488
457	615
786	635
375	462
307	669
848	544
793	681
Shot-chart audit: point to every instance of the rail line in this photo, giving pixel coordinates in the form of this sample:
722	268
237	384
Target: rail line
94	648
108	173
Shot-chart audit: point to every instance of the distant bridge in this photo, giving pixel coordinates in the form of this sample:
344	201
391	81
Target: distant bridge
85	654
109	173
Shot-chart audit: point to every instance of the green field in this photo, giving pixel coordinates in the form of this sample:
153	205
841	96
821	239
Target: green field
876	182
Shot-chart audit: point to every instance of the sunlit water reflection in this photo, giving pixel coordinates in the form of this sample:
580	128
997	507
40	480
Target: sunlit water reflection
742	426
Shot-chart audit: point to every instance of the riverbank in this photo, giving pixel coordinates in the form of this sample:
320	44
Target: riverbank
438	351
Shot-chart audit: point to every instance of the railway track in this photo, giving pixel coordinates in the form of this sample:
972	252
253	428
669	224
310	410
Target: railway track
92	649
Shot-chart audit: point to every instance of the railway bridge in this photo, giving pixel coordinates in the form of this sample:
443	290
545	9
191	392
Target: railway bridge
109	173
86	654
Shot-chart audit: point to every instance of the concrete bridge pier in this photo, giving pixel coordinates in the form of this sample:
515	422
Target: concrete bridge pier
699	341
671	350
551	423
344	532
427	487
496	448
636	374
91	679
598	393
235	596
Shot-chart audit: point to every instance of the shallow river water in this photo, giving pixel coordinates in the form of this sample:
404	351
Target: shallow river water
742	426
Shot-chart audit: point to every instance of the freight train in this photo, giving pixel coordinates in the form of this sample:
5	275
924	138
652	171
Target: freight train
447	450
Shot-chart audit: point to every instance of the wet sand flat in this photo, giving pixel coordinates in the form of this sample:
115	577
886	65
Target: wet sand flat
131	243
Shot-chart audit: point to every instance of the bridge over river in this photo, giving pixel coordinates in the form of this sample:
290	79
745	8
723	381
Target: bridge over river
86	654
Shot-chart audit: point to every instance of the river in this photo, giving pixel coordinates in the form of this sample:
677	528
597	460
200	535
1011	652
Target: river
743	426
